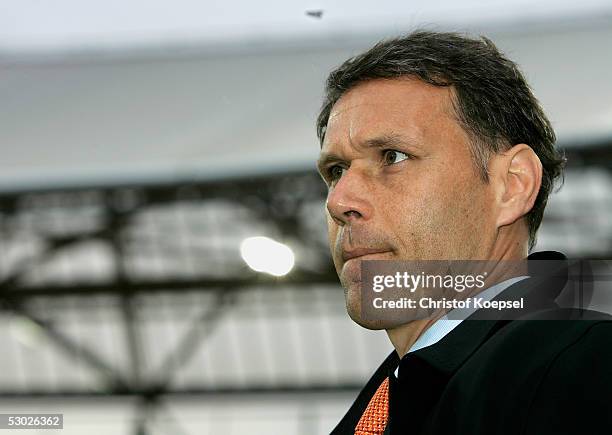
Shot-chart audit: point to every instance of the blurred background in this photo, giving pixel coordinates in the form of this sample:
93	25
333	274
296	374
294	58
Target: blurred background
156	153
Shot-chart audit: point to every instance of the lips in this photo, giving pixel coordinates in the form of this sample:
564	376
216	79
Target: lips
360	252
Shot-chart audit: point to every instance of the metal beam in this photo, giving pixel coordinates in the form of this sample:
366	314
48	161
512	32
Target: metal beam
252	390
113	379
295	278
190	342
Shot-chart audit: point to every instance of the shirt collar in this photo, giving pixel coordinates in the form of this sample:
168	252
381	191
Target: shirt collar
444	325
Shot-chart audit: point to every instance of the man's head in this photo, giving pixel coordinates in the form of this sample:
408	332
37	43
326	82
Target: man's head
433	147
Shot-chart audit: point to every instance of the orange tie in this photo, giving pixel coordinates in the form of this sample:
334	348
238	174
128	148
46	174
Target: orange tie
374	418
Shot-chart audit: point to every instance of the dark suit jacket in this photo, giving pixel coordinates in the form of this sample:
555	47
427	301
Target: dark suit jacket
525	376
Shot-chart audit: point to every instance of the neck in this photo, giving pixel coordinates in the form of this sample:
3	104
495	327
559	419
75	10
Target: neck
404	336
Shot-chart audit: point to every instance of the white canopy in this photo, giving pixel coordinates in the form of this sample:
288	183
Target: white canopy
86	98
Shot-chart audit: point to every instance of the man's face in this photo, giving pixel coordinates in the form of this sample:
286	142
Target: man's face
402	183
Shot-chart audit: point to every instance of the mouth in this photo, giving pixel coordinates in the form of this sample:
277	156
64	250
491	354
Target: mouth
360	252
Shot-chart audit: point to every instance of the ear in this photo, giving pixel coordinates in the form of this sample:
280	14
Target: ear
517	177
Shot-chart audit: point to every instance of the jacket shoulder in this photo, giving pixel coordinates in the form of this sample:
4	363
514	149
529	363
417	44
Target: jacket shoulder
514	379
573	395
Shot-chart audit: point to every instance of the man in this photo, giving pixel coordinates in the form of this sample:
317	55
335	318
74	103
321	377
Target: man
433	147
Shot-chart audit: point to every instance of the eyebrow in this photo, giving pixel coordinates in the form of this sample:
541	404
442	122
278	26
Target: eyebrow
389	140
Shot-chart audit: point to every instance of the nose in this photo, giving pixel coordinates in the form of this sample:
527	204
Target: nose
350	198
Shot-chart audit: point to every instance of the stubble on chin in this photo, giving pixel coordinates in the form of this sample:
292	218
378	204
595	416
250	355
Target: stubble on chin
352	297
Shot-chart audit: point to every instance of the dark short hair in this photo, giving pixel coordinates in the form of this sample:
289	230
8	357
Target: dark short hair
491	98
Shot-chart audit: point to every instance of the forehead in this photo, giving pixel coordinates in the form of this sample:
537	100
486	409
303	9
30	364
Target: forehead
406	106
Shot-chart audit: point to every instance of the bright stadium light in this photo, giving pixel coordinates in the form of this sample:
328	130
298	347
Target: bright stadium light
263	254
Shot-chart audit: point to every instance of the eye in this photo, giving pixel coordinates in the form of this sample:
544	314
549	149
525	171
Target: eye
335	172
391	157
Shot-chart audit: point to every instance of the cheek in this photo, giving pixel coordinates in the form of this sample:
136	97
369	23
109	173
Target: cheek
332	230
460	212
408	202
407	216
439	204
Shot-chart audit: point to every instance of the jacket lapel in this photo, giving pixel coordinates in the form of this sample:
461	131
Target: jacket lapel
424	374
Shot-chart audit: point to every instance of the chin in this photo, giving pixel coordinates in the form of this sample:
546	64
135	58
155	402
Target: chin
352	296
372	324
